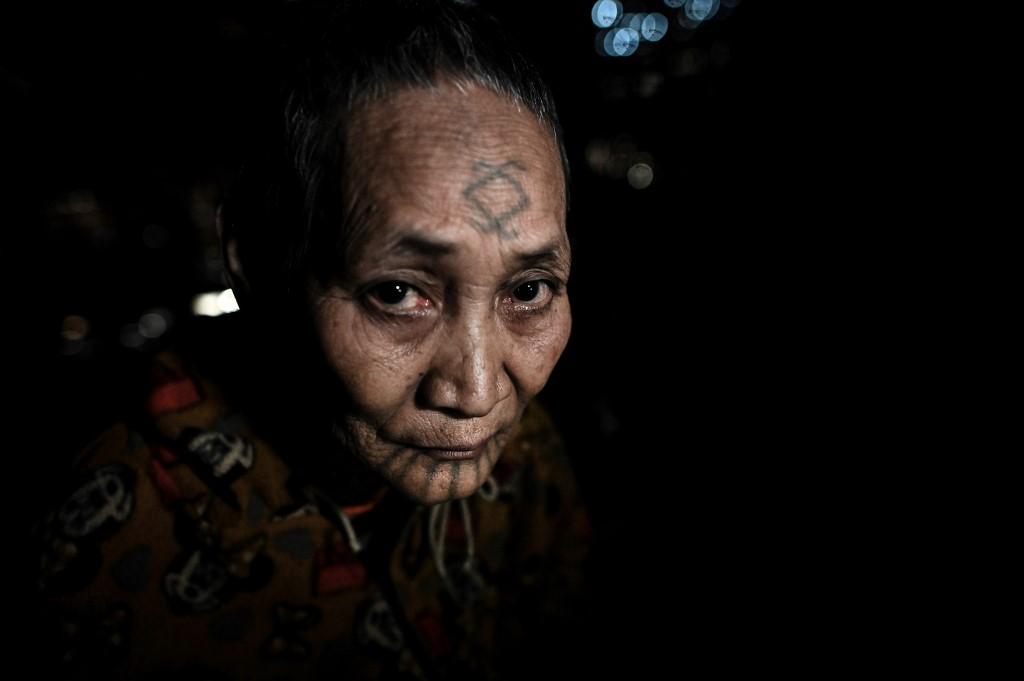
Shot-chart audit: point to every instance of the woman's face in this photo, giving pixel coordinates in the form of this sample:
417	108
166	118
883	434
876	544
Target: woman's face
451	309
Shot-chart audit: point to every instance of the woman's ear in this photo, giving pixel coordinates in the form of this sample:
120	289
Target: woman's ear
229	252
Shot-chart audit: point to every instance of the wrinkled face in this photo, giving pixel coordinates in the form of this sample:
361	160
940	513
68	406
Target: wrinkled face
452	309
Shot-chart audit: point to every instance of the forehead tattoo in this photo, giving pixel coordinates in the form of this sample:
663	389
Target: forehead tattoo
493	216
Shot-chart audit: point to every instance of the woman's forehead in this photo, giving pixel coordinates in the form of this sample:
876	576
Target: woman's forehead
458	162
417	134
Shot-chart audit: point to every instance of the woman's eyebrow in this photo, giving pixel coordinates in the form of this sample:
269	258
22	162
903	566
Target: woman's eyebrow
550	253
410	244
418	245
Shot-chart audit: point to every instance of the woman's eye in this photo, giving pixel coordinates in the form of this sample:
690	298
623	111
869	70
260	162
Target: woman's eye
528	291
399	296
533	295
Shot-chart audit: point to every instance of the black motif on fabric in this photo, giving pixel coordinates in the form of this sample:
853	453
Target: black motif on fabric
205	575
133	442
297	543
377	629
131	571
95	642
196	581
256	510
224	457
285	640
64	565
68	538
100	504
232	625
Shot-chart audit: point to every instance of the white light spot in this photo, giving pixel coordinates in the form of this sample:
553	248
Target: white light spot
205	305
640	176
605	13
214	303
226	301
130	336
597	155
152	325
654	27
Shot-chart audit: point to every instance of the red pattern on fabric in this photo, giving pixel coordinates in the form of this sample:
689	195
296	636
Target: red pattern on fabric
173	396
338	569
170	493
165	455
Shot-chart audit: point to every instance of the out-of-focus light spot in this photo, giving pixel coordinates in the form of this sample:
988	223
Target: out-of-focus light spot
605	13
74	328
701	10
675	4
130	336
82	201
205	305
598	154
215	303
633	21
640	176
155	236
720	54
689	62
72	347
226	301
152	325
621	42
686	22
649	84
653	27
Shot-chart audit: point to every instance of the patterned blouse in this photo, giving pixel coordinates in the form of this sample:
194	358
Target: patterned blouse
185	548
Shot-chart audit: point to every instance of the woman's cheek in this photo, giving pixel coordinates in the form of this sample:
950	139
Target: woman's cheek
379	368
539	352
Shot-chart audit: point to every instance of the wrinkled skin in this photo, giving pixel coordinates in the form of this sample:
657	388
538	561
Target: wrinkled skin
442	346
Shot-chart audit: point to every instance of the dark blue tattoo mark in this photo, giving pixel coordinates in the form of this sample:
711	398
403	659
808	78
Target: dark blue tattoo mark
487	220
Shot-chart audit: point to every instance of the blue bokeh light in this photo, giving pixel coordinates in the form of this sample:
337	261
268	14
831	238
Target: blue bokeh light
605	13
621	42
675	4
654	27
701	10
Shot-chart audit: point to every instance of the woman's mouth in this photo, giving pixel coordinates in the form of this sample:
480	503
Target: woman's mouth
455	452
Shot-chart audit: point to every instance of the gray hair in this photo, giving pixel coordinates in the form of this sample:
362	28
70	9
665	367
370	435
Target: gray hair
283	208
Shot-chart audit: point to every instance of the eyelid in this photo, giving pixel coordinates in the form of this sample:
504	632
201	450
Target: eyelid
386	308
528	307
554	280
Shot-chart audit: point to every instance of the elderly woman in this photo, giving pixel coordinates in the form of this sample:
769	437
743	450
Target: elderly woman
351	478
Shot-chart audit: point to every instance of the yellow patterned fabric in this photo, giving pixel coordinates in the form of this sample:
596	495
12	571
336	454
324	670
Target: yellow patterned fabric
185	548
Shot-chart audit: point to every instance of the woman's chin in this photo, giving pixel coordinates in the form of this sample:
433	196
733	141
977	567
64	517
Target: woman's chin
428	478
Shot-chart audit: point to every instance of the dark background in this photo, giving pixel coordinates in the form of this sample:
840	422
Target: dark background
693	394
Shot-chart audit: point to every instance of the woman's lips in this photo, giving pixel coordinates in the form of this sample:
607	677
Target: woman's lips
455	454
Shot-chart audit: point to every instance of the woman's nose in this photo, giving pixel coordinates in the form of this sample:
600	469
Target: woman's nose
467	371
